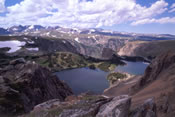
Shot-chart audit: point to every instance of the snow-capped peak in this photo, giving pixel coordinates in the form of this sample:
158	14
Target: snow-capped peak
31	27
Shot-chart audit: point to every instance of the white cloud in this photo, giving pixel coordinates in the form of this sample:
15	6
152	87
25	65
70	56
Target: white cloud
2	6
161	21
172	10
85	14
173	5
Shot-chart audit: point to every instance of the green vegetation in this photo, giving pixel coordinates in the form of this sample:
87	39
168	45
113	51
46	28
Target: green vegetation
92	66
65	60
113	77
61	60
106	66
112	67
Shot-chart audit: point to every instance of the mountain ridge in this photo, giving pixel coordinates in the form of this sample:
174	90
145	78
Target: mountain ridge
25	28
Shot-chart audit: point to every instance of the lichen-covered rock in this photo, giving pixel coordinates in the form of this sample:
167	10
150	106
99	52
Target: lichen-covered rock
17	61
46	105
118	107
26	84
87	106
82	106
148	109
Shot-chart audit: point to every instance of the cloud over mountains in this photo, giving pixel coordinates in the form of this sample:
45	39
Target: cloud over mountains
84	14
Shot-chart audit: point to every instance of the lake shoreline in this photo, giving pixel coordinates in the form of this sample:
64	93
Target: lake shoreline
79	77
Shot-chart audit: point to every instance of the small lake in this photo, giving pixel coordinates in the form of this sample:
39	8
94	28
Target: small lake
85	79
14	45
135	68
82	80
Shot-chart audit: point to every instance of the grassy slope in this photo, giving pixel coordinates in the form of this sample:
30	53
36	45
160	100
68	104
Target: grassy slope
151	48
155	48
61	60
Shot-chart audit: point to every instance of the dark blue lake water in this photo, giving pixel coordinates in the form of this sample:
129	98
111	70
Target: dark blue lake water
135	68
84	79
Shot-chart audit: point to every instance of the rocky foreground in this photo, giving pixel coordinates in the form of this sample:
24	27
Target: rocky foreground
29	90
24	84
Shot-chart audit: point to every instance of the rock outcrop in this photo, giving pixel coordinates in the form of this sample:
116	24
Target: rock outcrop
158	82
107	53
158	65
148	109
84	105
118	107
5	49
53	45
26	84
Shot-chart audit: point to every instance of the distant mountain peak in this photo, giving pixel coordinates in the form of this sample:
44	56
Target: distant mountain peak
56	31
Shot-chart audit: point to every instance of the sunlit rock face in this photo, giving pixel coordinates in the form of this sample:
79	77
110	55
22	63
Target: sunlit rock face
118	107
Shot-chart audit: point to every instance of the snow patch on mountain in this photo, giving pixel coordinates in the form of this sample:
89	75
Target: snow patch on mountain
77	39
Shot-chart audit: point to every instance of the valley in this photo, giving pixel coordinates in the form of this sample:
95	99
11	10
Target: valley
62	71
95	42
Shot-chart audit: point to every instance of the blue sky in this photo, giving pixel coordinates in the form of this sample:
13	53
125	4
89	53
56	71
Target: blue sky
140	16
12	2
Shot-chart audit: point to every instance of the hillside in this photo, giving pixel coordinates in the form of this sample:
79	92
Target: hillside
28	71
150	95
89	42
60	61
24	84
157	83
147	48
